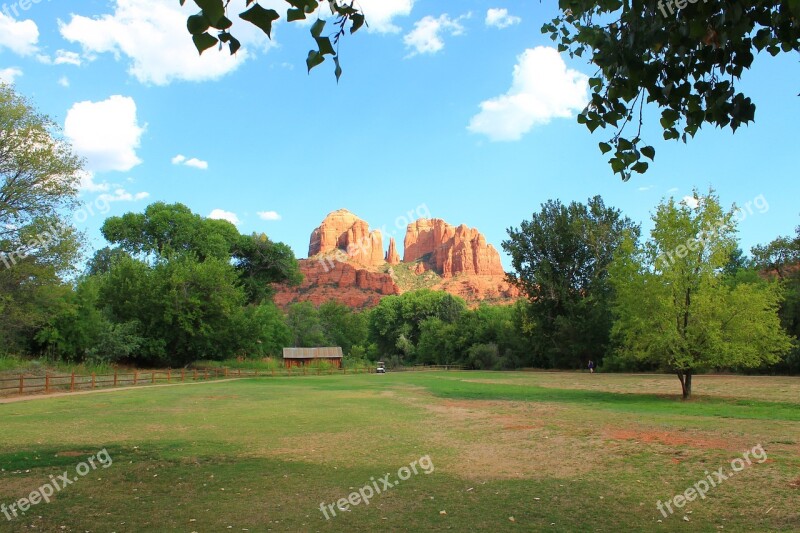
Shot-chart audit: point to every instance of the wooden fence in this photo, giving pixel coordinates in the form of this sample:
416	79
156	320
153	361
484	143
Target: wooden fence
27	384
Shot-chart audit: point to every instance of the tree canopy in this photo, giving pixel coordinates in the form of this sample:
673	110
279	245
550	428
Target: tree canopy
685	57
214	17
560	259
673	307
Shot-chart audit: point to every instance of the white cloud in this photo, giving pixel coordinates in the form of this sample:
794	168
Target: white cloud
220	214
87	183
543	88
152	35
426	37
691	201
193	162
645	188
63	81
106	133
65	57
673	190
269	215
380	13
20	37
499	18
197	163
10	75
121	195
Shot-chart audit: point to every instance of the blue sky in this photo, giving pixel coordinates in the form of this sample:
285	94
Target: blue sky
460	109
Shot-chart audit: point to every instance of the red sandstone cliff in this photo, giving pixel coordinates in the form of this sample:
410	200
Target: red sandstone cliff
392	257
342	231
346	264
451	250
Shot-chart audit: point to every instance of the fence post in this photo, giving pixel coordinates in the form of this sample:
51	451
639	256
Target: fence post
195	375
169	374
92	379
240	372
21	383
206	374
135	376
256	372
72	382
152	377
47	382
226	371
183	373
115	377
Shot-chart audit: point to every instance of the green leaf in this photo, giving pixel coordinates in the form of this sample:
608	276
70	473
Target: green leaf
358	21
223	24
649	152
233	42
640	167
317	27
325	46
314	58
204	41
604	147
261	18
338	70
295	14
212	9
197	24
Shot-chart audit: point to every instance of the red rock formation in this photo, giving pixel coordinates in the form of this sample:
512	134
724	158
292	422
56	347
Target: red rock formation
451	250
325	279
392	257
345	232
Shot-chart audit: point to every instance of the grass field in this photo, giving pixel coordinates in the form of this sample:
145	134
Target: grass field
509	452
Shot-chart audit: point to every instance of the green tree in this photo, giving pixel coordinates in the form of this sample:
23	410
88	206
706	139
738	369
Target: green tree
394	324
38	245
673	307
304	324
686	59
261	262
168	230
561	259
342	326
781	258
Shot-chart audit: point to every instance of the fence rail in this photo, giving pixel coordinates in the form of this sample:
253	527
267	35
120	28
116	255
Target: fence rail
55	382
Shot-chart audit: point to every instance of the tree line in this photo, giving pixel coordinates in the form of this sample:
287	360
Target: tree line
173	287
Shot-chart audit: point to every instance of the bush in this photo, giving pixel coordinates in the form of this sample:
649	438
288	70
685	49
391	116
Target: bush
483	356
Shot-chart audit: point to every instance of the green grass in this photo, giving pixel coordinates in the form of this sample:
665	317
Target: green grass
12	365
557	452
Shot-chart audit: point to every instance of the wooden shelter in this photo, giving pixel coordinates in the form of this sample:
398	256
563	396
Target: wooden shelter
305	356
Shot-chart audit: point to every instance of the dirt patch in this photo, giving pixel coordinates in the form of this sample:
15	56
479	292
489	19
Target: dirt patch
73	454
495	439
667	438
795	484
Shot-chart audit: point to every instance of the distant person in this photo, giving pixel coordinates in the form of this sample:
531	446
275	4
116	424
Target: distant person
591	366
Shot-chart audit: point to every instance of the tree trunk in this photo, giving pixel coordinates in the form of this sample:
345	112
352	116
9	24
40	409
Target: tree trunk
686	383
